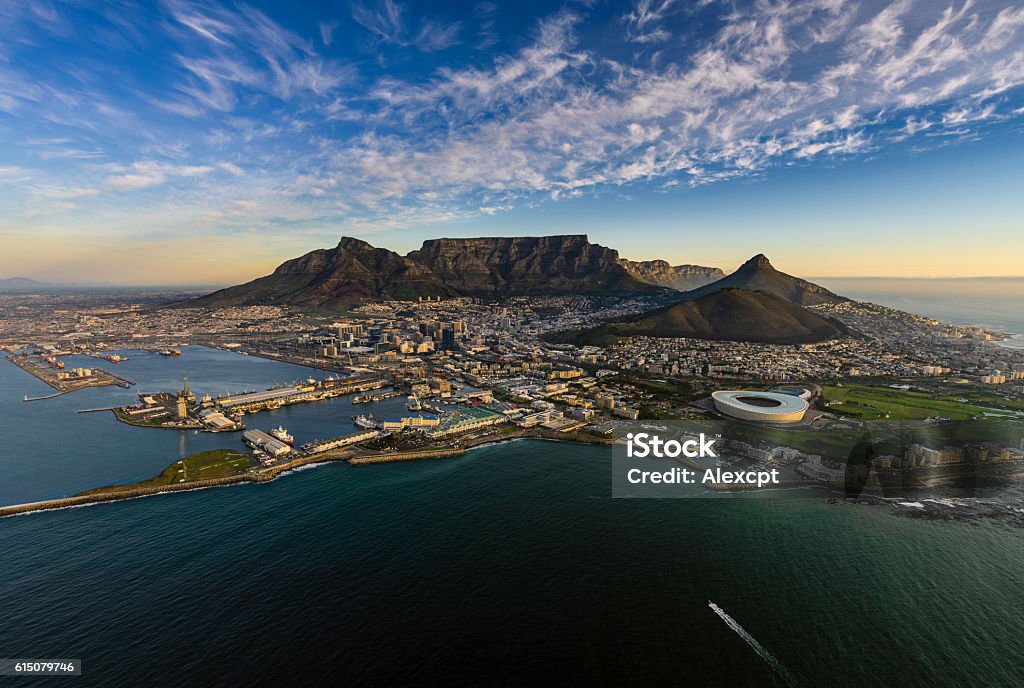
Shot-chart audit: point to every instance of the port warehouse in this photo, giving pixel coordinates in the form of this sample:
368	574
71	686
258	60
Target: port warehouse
294	393
257	439
298	393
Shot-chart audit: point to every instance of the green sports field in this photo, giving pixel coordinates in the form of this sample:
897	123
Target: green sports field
872	403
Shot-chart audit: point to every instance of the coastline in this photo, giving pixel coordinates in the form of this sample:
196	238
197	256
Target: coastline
267	475
1011	341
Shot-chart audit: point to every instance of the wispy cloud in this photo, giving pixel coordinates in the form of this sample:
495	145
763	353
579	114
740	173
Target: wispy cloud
386	21
145	173
254	124
244	51
644	21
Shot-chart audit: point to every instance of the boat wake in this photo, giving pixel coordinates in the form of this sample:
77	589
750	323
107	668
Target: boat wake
758	648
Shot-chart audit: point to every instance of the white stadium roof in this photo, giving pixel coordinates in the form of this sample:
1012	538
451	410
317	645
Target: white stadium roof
767	407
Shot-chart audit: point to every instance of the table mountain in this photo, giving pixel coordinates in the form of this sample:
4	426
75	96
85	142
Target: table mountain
493	267
515	266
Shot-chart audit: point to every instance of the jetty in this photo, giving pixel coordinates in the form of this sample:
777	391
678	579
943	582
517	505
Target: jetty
118	495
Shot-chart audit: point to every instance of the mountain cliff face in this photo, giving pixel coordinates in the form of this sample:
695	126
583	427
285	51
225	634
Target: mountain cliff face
355	271
725	314
757	274
513	266
348	274
678	277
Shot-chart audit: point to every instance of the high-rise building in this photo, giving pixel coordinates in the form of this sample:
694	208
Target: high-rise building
342	329
448	339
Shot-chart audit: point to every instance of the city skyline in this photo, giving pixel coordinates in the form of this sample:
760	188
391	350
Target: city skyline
183	143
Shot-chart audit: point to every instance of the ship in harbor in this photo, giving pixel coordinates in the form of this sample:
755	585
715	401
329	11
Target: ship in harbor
366	421
280	433
170	352
368	398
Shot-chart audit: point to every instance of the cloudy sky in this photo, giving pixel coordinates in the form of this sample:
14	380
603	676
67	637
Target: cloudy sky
201	142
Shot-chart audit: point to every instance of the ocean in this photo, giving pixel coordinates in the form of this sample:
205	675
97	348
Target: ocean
509	565
995	303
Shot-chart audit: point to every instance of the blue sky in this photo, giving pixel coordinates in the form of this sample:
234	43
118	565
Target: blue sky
203	142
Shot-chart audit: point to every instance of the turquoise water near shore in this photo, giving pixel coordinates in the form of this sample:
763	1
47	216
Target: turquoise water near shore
506	566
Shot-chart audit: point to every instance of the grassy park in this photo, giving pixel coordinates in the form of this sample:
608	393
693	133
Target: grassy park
216	463
874	403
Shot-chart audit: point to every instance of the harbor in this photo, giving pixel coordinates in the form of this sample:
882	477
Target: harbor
51	370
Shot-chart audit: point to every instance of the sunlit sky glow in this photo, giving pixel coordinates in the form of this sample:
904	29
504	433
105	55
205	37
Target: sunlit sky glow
201	142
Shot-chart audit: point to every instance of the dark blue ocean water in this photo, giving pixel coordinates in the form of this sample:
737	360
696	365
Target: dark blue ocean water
510	565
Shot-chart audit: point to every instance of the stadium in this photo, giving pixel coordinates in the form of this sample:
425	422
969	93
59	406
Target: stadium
765	407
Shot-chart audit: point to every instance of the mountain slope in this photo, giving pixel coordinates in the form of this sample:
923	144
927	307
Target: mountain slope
678	277
725	314
348	274
356	271
757	274
21	284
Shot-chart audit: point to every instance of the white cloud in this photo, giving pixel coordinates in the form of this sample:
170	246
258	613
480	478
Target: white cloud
643	21
245	49
386	22
777	82
146	173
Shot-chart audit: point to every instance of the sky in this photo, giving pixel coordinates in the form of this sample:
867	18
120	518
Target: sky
180	142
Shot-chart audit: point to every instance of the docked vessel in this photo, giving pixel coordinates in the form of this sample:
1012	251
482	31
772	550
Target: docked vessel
280	433
367	398
365	421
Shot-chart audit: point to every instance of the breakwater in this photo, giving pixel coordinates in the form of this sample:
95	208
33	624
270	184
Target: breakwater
117	495
407	456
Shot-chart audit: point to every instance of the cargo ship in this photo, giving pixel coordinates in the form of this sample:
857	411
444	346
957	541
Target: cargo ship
280	433
170	352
